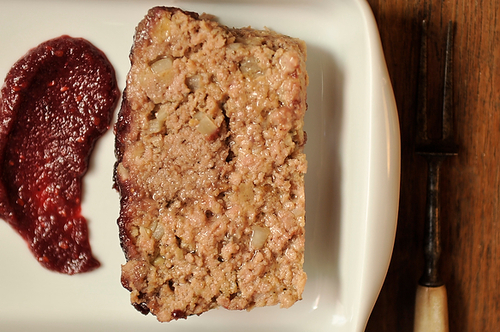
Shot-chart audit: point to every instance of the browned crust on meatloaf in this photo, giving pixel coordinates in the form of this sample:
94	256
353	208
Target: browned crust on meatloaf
210	166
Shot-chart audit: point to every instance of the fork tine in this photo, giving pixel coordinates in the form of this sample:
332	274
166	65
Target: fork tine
444	145
447	133
422	88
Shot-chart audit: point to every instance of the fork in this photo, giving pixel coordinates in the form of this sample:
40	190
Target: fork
431	307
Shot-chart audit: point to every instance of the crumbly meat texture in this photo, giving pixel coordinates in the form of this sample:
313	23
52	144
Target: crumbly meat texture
210	166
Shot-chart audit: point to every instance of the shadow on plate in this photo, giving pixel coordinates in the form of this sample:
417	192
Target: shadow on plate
323	179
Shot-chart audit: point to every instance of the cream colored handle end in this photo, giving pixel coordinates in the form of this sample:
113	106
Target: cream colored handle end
431	309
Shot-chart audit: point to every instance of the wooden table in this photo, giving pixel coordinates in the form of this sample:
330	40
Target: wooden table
470	182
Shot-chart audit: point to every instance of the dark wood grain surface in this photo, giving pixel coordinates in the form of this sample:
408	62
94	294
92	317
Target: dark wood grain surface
470	182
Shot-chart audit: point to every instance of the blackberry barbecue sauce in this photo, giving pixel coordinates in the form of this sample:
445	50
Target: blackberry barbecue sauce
55	103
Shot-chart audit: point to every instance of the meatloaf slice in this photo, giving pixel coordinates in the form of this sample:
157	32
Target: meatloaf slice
210	166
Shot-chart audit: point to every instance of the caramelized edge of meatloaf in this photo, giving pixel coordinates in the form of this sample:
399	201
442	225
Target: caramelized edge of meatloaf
210	166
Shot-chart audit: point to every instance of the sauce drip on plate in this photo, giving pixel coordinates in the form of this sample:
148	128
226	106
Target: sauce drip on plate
56	102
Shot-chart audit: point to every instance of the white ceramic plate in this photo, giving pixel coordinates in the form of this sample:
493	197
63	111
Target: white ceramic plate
352	185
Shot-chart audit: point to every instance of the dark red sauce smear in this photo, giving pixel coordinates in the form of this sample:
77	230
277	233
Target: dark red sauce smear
56	102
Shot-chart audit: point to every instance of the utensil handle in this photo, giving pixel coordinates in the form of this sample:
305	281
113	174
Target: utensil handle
431	309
